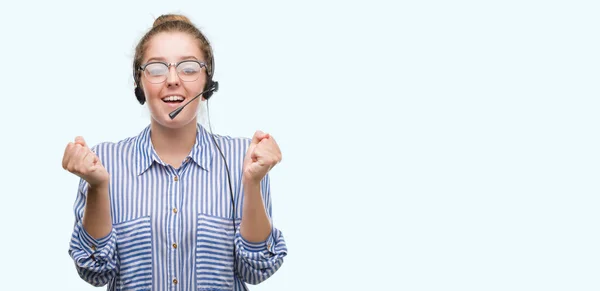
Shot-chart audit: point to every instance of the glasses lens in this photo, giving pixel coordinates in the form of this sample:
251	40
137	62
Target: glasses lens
156	72
189	71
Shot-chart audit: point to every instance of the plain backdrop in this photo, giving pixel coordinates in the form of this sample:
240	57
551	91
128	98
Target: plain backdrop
427	145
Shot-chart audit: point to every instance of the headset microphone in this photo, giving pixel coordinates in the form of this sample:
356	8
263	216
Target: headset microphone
213	88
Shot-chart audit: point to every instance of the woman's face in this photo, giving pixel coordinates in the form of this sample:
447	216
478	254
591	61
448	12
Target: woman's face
177	88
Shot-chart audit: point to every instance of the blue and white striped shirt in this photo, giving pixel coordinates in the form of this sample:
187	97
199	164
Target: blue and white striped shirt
173	228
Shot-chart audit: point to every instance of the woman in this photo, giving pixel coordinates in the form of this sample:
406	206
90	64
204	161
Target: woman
160	210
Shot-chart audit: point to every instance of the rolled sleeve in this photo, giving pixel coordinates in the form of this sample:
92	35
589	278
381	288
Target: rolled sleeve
94	246
94	259
257	261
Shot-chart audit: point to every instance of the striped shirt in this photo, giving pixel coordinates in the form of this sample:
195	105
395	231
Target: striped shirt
173	227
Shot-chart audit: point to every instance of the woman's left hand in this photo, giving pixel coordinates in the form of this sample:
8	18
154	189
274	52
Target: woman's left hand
262	155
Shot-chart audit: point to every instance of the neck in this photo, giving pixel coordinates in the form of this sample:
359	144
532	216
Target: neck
173	144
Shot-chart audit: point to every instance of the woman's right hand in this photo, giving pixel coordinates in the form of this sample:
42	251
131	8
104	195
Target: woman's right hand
81	161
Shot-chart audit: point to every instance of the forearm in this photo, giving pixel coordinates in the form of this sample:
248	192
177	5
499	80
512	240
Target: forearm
255	225
261	247
96	219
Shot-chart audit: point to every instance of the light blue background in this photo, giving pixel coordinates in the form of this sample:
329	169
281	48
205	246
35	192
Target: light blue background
428	145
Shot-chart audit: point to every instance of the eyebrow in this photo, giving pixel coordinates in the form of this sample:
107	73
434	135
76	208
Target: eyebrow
163	59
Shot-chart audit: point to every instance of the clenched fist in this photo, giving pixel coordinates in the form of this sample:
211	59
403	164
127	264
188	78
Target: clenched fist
262	155
81	161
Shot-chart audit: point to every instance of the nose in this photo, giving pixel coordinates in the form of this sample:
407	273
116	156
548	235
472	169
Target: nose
172	77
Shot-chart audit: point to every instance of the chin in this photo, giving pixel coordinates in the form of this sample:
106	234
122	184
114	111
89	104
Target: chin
185	117
179	121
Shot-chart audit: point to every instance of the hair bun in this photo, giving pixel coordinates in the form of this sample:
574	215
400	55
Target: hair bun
170	17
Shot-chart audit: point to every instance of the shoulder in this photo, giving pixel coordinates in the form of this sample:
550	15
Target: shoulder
232	148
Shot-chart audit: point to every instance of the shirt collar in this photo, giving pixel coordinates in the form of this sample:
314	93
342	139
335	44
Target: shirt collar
201	153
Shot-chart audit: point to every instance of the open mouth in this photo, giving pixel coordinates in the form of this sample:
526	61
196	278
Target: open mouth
173	99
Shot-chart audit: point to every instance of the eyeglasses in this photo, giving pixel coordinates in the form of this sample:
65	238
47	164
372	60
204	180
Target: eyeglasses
188	70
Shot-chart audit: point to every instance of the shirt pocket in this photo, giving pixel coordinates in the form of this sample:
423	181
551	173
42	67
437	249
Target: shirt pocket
214	253
134	248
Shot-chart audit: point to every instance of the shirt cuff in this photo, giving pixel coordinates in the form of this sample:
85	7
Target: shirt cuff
91	245
258	247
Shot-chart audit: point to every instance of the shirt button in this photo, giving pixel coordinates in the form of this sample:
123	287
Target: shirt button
175	281
176	179
174	210
94	248
174	246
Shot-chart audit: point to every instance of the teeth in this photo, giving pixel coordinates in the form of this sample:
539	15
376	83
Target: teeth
173	98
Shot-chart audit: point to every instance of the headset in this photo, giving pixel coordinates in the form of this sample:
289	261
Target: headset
209	88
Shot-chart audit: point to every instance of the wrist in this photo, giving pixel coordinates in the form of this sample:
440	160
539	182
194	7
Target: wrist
98	186
251	188
250	182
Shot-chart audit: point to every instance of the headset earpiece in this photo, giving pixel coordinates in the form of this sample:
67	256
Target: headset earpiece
139	94
209	84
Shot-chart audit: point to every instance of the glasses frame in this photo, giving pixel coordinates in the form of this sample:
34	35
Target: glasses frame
142	68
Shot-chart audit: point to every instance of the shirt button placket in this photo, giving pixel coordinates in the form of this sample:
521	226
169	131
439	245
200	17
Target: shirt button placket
174	232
